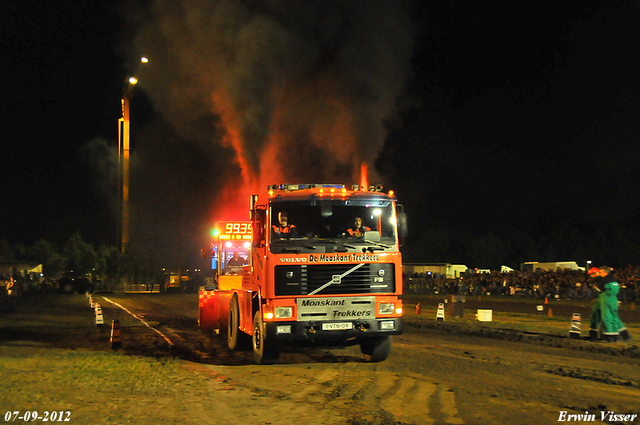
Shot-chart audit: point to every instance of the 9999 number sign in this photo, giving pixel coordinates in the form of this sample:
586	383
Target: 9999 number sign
233	230
238	228
31	416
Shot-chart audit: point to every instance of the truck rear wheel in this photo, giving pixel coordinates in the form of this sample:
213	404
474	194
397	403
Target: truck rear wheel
236	339
376	349
263	351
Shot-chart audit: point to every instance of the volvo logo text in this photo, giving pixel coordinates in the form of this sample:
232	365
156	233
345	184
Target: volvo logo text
294	260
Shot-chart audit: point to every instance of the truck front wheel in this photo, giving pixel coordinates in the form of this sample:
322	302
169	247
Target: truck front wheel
376	349
263	351
236	339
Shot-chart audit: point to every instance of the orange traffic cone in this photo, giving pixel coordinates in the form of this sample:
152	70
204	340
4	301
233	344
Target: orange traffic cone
418	308
546	301
550	312
116	342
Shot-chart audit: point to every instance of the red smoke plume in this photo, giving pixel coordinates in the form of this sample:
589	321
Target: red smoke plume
302	92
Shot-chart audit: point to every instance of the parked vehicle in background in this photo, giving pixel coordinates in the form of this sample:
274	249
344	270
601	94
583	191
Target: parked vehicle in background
532	266
71	283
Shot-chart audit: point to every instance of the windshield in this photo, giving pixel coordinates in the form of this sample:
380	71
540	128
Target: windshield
332	226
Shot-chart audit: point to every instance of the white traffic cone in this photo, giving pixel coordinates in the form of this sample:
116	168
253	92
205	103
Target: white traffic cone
99	318
440	313
574	332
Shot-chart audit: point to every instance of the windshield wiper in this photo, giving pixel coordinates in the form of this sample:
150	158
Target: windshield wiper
339	242
374	248
296	249
344	248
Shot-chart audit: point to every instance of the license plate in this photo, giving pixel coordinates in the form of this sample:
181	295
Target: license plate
336	326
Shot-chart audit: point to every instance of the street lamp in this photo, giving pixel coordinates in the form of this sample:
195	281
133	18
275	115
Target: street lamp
123	159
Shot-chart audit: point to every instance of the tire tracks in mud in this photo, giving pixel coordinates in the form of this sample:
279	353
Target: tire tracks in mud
610	378
364	396
630	350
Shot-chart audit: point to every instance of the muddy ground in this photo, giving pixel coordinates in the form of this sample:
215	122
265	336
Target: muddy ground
451	372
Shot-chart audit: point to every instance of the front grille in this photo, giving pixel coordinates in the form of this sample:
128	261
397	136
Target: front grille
373	278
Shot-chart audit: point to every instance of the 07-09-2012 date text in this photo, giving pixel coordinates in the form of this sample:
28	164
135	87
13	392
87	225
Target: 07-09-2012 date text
31	416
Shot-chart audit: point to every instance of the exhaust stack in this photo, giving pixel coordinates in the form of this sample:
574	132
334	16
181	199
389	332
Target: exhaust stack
364	182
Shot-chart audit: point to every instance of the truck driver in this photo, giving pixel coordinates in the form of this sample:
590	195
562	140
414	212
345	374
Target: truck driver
284	229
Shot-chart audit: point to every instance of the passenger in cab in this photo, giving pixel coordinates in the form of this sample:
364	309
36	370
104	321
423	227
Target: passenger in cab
357	229
284	229
237	260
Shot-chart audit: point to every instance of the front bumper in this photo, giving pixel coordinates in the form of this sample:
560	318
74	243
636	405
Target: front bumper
312	331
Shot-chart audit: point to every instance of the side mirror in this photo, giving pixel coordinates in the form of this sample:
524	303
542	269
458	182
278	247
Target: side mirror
402	225
403	230
258	236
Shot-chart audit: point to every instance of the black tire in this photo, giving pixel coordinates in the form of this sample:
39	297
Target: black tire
263	351
376	349
236	339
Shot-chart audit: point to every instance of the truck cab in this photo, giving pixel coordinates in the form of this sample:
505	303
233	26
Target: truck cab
330	274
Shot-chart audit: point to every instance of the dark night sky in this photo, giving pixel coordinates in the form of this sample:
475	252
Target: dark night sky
61	85
515	116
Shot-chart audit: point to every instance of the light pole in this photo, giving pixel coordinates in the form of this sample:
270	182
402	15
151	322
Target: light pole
123	159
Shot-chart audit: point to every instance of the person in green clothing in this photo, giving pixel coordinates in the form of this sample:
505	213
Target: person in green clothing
605	309
596	311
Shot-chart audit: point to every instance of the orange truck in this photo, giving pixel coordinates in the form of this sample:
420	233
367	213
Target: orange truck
317	264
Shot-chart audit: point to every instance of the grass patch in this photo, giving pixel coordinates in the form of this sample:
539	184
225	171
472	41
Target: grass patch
96	387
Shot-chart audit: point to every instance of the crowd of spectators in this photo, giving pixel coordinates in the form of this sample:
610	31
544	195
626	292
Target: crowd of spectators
574	284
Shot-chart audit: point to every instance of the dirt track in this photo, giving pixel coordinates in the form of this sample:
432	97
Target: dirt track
438	372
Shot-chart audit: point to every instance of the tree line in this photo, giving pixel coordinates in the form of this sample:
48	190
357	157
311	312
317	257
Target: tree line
106	264
616	247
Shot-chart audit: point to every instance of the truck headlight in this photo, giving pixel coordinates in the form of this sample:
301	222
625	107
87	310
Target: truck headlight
285	329
284	312
388	325
386	308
